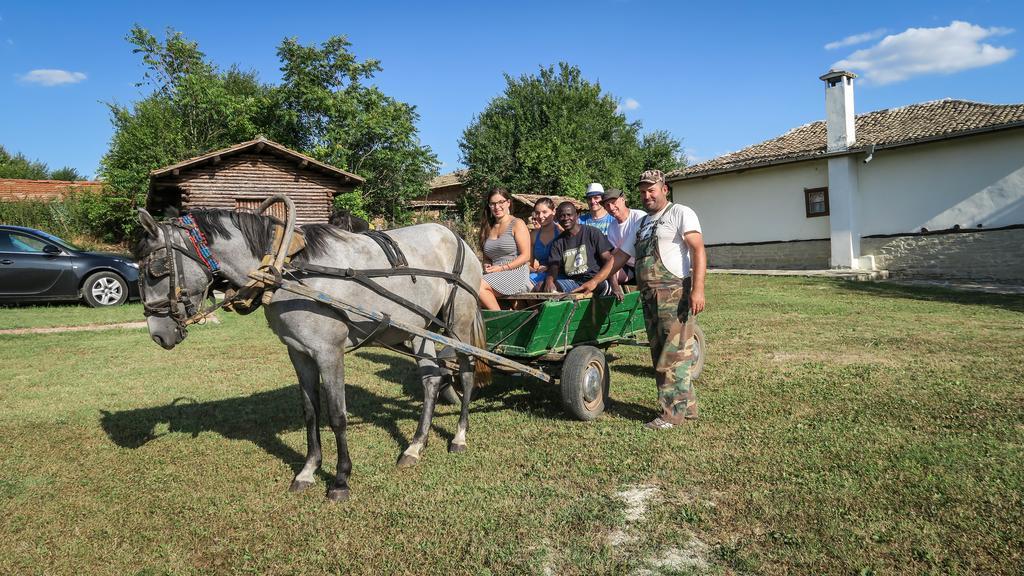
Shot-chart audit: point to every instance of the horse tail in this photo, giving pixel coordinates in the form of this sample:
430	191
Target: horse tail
482	372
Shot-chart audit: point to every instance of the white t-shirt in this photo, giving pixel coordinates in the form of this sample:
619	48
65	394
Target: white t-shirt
674	251
622	235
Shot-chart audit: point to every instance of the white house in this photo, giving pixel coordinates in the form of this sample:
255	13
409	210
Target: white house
928	190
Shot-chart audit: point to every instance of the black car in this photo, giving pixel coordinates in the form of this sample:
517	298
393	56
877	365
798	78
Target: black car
36	266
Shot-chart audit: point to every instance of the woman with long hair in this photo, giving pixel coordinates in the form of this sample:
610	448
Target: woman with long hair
542	237
505	241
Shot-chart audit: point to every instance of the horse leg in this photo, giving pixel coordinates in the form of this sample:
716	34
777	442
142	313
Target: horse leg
430	374
466	375
332	367
309	384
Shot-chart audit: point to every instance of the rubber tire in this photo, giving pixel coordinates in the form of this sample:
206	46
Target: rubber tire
103	275
700	352
577	363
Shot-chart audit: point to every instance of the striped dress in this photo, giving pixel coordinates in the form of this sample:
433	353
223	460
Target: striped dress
502	250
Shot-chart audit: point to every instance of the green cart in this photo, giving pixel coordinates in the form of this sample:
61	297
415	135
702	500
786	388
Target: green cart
567	337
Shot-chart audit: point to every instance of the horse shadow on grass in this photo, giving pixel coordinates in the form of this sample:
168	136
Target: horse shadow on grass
262	418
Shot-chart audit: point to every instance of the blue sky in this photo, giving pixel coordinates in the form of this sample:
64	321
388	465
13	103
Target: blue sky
717	76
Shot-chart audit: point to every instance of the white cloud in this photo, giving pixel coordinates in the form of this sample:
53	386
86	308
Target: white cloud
46	77
855	39
629	104
918	51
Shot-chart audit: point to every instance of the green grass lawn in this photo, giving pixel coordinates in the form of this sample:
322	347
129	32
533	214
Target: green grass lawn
846	428
66	314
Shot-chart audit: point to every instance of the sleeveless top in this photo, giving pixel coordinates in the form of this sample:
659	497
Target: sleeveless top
502	250
540	254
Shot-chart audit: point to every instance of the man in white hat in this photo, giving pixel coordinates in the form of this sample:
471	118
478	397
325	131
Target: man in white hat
598	217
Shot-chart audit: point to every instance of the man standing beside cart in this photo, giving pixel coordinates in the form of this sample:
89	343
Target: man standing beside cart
670	267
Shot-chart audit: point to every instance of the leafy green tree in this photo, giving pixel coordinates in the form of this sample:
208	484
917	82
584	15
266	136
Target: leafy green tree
18	166
66	173
321	108
193	108
555	132
333	116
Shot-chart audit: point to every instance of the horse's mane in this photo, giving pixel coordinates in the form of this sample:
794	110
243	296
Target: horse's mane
258	231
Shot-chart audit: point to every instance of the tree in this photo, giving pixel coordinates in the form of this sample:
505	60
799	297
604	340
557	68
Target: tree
18	166
331	115
555	132
321	108
66	173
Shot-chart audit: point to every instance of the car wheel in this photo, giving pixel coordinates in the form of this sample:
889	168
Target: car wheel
104	289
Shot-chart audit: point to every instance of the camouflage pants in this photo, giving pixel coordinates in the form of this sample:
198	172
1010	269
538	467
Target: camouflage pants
670	331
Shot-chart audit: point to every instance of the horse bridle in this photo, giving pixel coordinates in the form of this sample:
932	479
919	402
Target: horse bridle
167	261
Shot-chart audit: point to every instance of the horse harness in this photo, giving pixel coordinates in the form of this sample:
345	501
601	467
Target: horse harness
399	267
167	261
179	306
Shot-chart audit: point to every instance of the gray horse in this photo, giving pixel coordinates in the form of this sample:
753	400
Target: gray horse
316	335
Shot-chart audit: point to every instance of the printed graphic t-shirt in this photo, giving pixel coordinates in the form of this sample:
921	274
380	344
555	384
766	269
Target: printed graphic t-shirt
579	255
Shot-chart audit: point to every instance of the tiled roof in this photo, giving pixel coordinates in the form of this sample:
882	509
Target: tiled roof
450	179
14	189
883	128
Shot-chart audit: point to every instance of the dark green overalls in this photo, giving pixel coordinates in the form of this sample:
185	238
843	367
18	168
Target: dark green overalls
666	300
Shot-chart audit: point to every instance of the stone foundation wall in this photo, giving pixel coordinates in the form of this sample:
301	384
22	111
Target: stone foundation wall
798	255
991	255
994	255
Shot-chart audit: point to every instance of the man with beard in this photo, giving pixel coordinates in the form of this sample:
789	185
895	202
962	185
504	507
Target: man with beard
670	267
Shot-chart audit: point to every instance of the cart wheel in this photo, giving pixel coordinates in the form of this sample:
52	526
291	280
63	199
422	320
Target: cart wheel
700	352
585	381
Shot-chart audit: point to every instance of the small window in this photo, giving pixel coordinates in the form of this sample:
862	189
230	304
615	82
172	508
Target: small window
816	201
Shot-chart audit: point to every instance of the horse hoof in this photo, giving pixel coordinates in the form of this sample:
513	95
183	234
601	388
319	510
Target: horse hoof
407	461
456	448
299	486
337	494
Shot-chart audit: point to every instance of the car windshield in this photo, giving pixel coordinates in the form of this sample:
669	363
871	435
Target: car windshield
59	242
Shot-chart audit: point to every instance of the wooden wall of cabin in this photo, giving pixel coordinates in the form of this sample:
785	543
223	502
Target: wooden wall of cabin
244	180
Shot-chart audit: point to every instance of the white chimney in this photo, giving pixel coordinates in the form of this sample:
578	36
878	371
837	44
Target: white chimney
839	121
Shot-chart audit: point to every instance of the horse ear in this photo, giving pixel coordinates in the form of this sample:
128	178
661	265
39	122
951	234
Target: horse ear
149	223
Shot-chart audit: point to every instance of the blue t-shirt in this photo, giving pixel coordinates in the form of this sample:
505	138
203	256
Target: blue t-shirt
601	223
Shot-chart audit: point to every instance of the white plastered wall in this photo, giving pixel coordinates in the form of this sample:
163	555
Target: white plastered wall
762	205
964	181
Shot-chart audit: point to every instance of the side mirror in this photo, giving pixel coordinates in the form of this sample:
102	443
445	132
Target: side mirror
51	250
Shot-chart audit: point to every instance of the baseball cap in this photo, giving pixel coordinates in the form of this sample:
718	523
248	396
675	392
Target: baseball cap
612	194
651	177
595	189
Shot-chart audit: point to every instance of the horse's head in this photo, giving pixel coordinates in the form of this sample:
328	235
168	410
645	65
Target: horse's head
172	282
